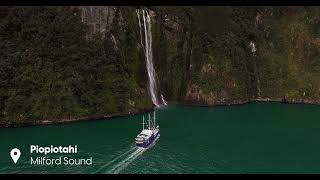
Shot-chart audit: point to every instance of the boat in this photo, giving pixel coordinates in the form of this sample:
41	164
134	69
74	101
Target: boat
150	135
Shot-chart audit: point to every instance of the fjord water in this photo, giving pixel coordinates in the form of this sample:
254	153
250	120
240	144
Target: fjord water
252	138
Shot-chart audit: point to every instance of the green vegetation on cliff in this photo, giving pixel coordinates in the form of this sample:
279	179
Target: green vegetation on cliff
49	70
220	64
52	66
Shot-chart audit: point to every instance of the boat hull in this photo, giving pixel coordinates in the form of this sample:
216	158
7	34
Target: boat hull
150	142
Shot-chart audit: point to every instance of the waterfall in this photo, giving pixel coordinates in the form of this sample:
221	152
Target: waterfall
138	14
147	24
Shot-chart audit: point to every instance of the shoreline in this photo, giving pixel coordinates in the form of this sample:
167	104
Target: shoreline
74	120
116	115
244	102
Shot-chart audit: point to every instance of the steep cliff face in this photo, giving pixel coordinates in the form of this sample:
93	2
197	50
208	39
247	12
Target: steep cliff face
67	63
264	53
99	19
204	55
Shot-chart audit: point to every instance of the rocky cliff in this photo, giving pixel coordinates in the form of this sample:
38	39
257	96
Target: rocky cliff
230	55
74	62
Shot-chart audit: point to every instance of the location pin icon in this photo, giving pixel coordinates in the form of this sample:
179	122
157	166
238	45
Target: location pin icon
15	154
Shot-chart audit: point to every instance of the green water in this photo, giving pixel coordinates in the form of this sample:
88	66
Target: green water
254	138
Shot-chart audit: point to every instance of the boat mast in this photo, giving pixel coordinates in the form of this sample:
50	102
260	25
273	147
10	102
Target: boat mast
142	122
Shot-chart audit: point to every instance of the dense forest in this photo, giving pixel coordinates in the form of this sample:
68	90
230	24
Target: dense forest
72	62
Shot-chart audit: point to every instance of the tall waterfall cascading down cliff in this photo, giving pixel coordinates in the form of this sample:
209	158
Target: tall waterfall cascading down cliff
147	24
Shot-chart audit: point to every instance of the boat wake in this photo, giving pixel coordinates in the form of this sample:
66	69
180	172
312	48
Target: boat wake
115	160
125	162
119	163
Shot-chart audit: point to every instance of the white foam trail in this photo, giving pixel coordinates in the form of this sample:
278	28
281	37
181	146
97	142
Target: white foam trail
116	159
124	163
